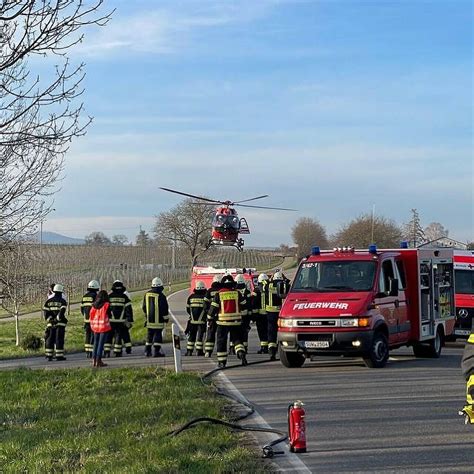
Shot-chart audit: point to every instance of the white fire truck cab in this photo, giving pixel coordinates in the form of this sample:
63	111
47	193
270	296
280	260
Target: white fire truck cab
365	302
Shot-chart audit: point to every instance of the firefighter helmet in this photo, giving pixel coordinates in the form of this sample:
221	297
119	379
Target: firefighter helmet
227	279
278	275
118	285
156	282
216	279
200	285
262	277
93	285
239	279
58	288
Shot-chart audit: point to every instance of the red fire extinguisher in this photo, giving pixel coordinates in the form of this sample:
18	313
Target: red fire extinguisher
297	427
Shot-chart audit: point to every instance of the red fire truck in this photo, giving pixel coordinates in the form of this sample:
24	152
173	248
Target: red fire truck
366	302
464	292
207	274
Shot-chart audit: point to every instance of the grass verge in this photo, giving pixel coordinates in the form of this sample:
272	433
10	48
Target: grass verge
74	330
85	420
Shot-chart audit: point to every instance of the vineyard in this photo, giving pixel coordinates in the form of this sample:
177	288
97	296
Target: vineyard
75	265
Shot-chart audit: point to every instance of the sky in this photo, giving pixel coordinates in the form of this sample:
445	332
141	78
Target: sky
334	108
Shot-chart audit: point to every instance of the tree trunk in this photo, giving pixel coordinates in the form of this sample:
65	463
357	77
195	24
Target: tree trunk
17	327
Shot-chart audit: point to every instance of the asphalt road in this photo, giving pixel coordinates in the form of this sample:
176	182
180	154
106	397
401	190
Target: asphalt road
399	418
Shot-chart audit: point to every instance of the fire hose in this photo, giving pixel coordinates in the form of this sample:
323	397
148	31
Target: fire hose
267	449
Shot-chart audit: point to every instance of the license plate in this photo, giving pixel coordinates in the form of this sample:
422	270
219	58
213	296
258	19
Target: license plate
316	344
462	332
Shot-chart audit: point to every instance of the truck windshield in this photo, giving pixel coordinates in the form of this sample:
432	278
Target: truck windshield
464	281
354	275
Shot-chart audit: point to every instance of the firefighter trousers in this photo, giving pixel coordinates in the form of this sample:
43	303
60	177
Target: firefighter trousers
245	331
127	340
89	339
468	410
210	337
118	335
196	336
235	335
154	338
262	330
54	341
272	319
108	343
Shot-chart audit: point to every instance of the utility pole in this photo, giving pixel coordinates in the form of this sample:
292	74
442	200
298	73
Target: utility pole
373	224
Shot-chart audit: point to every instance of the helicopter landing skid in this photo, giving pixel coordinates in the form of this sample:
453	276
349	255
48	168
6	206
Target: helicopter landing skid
238	244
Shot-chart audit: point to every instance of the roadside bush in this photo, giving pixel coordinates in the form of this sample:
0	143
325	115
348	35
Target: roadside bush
31	342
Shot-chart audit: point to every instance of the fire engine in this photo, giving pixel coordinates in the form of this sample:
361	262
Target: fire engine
363	303
464	292
207	274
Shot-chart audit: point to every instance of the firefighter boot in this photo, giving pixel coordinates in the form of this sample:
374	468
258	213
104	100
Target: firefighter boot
158	352
272	351
128	350
241	355
222	364
107	354
231	349
208	354
117	354
60	358
199	352
189	352
263	350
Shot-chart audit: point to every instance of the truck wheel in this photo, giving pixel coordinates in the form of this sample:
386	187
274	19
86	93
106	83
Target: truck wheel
377	356
432	349
291	359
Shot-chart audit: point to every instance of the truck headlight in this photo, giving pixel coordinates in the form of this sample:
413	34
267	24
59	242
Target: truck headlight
350	322
286	322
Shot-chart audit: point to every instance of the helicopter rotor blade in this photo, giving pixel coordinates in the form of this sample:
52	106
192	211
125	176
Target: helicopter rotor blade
191	195
266	207
252	199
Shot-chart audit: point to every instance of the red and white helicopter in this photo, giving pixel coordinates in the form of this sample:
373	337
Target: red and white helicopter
226	224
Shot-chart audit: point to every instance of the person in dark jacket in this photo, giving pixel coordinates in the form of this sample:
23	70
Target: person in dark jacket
54	311
196	327
155	307
122	312
86	304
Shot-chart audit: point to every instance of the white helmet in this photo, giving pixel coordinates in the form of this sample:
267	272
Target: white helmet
239	279
58	288
93	285
278	275
262	277
200	285
156	282
217	279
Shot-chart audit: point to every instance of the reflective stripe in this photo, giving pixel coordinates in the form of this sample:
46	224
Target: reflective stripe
471	339
229	323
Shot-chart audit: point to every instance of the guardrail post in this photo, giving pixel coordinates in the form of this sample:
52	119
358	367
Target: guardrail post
176	348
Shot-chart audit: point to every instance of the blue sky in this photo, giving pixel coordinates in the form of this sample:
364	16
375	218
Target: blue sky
330	107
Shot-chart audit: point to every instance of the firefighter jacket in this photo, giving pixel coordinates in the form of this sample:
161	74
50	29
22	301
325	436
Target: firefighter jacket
467	363
195	307
227	307
121	307
209	297
155	307
86	304
275	293
247	296
259	301
55	311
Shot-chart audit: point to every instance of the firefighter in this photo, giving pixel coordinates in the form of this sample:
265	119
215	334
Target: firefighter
211	326
155	307
276	291
196	327
467	366
86	304
241	286
122	312
226	310
55	315
259	312
127	340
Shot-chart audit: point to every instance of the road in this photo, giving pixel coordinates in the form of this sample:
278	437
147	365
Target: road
399	418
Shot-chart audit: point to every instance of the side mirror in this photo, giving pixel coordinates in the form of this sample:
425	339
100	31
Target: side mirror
282	289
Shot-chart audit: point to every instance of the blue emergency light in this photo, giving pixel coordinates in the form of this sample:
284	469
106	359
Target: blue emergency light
315	250
373	248
404	244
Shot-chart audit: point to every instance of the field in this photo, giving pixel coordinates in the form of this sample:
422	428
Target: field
76	421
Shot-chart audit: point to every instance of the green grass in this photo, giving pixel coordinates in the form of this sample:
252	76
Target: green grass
74	330
85	420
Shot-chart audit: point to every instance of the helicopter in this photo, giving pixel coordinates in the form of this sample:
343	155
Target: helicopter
226	224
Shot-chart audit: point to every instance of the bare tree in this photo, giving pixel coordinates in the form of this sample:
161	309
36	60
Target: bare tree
413	231
306	233
187	224
435	231
359	231
39	115
97	238
119	239
14	259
